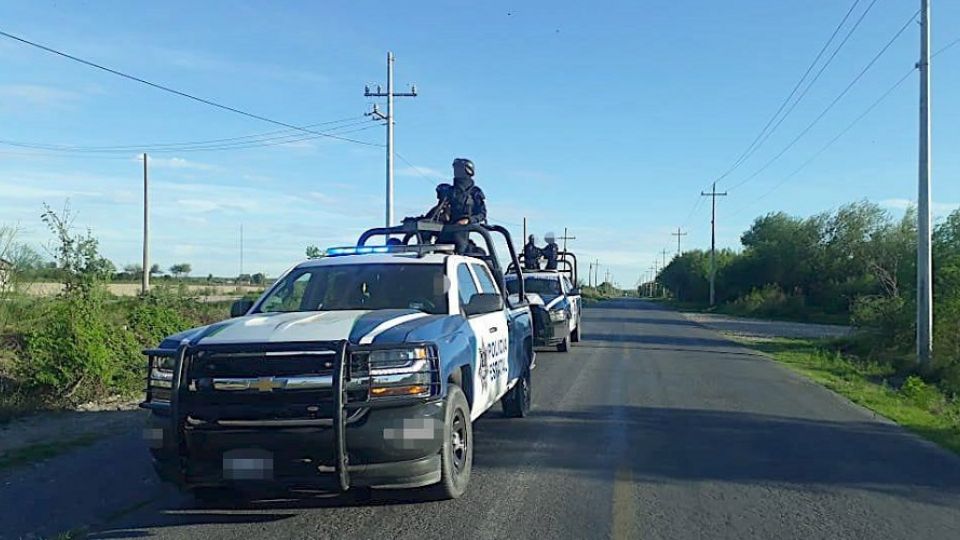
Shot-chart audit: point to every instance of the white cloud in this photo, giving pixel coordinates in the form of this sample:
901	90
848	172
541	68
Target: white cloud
323	197
897	204
207	62
432	174
37	95
298	145
25	191
178	163
937	208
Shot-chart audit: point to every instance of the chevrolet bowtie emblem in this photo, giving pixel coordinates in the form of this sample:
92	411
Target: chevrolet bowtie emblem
267	384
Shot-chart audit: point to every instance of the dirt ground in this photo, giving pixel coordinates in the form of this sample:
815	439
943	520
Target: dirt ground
765	329
133	289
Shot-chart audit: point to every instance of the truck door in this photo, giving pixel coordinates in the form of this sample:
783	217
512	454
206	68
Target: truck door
486	327
493	338
574	303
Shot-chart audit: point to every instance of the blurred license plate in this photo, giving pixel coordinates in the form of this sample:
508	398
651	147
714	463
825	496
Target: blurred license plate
248	464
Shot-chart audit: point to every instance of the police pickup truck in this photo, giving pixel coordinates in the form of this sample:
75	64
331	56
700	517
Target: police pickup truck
555	302
365	367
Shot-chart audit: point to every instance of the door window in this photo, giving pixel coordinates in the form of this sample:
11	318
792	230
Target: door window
485	279
466	287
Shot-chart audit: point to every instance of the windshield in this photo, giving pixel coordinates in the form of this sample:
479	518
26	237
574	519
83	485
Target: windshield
360	286
537	285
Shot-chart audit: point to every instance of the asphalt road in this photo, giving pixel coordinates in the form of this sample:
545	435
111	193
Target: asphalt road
653	427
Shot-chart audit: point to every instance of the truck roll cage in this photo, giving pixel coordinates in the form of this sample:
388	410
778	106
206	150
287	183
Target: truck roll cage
423	232
566	264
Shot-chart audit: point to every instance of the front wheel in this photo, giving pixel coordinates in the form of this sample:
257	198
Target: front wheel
575	335
516	404
564	345
456	454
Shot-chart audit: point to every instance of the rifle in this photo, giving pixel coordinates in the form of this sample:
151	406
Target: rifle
440	213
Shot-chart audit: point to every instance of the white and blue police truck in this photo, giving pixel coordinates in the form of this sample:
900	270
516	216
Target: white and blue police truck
554	297
363	368
555	304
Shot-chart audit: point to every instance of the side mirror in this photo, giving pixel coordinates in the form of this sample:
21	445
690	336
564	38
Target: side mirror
240	307
483	303
574	291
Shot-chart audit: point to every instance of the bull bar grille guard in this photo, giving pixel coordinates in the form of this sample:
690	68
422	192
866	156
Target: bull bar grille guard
348	368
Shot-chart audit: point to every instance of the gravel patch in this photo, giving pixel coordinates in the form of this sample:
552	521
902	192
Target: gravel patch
765	329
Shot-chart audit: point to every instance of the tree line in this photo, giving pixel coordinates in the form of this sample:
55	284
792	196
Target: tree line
856	264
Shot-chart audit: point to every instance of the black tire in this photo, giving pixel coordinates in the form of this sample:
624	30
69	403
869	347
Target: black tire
456	454
516	403
564	346
575	335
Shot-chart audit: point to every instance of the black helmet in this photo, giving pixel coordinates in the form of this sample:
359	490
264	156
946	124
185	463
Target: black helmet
532	239
465	164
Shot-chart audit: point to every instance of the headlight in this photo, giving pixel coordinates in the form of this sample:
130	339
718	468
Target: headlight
160	379
558	315
401	372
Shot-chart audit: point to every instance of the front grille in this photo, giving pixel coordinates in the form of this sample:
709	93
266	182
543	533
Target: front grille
261	364
263	382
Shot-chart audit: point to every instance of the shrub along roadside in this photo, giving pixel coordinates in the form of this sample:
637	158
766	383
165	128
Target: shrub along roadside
881	387
86	346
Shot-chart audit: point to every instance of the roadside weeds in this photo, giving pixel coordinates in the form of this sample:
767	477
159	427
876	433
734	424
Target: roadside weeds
25	455
911	403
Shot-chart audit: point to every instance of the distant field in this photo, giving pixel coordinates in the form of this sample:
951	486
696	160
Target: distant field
132	289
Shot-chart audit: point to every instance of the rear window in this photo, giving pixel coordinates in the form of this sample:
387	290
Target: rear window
536	285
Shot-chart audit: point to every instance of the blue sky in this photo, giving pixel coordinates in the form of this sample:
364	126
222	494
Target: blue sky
607	118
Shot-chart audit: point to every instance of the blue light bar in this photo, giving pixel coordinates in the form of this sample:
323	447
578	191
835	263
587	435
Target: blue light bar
419	249
356	250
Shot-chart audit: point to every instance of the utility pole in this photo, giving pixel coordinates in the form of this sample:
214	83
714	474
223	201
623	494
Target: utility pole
653	281
565	238
524	230
590	275
145	277
713	239
389	118
924	257
664	252
241	252
678	234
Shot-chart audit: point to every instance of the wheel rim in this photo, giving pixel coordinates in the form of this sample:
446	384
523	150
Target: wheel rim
459	443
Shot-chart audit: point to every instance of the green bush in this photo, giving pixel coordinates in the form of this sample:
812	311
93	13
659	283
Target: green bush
770	301
921	393
74	352
158	314
890	321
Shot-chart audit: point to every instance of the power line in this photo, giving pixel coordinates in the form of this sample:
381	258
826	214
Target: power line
692	211
819	72
416	169
830	106
945	47
212	144
156	146
174	91
831	142
753	147
845	130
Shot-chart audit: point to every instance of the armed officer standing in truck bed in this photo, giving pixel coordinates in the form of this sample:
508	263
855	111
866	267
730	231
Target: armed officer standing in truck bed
551	251
465	203
531	254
